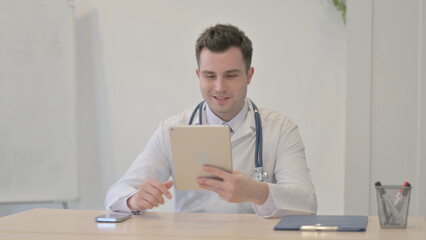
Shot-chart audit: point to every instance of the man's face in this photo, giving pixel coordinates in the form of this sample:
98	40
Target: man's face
223	81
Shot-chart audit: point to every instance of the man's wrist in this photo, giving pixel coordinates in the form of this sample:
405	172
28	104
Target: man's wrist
261	193
131	207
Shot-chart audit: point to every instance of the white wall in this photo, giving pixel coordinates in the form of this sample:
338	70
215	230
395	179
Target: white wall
358	107
422	115
396	97
385	102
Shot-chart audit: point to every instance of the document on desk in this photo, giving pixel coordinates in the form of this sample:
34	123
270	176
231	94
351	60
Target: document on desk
323	223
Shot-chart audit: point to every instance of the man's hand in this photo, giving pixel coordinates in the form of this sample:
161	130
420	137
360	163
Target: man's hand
150	195
235	187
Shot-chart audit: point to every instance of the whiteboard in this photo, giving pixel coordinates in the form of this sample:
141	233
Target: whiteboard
38	159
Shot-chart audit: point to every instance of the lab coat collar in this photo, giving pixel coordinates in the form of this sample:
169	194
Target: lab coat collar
249	125
235	122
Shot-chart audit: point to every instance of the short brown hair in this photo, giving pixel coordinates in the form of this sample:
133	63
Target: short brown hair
220	38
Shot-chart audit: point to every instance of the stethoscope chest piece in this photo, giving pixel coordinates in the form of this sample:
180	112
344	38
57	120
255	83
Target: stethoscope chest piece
260	175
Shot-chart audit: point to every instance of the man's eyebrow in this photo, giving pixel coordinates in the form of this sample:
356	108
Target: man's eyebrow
233	71
226	72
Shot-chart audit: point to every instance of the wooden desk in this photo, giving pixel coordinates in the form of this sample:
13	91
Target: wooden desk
79	224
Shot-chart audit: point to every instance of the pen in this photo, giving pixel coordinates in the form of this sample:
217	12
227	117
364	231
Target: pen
400	195
381	191
399	198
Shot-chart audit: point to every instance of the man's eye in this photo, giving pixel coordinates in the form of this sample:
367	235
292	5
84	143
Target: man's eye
210	76
231	76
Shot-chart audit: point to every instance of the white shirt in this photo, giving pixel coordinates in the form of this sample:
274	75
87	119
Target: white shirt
235	122
290	186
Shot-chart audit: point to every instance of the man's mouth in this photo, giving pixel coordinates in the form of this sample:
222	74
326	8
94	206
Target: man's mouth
221	99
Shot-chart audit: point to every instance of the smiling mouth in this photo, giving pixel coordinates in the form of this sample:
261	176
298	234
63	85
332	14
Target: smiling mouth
221	98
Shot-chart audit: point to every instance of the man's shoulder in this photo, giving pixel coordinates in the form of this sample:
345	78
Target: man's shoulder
271	115
181	118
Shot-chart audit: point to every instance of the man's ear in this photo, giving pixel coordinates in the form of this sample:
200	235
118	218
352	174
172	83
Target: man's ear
197	72
250	75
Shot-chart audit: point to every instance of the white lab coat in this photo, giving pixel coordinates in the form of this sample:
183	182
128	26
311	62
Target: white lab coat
289	181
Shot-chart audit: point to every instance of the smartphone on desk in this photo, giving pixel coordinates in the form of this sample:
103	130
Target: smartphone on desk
113	217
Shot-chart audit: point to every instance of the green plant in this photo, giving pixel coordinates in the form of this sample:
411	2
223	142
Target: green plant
341	6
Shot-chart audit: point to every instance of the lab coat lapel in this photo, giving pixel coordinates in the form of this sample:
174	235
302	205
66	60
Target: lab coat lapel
249	125
247	128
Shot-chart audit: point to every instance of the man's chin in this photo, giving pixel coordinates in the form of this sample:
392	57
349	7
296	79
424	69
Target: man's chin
219	110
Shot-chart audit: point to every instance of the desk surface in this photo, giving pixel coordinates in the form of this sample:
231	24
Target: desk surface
79	224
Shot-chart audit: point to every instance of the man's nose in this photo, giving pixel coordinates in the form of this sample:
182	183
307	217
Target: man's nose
220	84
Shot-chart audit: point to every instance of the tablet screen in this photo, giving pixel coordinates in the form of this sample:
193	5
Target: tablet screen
196	145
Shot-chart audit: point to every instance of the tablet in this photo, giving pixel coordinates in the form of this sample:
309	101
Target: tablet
196	145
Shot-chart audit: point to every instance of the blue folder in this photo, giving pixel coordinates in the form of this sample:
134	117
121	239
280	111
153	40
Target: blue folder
323	223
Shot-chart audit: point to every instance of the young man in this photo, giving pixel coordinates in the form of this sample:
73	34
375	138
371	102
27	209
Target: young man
224	69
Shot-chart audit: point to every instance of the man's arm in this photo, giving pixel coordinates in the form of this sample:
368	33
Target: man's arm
151	164
150	195
293	192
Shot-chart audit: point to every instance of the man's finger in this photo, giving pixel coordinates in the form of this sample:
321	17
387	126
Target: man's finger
150	199
160	186
169	184
214	183
216	171
155	193
211	188
145	204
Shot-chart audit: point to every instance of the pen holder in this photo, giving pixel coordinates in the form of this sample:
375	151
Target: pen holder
393	202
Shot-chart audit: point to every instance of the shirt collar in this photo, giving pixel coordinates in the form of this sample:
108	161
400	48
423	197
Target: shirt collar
235	122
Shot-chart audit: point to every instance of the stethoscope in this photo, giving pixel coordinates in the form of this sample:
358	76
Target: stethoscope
259	174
